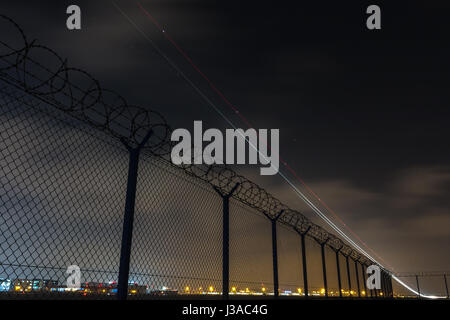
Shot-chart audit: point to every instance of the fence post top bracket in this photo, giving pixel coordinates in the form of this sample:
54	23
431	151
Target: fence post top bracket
140	145
228	195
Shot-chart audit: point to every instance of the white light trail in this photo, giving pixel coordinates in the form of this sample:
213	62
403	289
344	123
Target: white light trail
296	190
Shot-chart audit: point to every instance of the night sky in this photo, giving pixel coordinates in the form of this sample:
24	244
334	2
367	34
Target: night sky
363	115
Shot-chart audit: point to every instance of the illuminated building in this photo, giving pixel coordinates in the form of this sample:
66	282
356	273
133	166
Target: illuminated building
30	285
5	284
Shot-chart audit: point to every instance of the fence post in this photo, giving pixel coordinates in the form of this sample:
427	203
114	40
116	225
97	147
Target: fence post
383	290
357	278
372	291
226	240
338	272
324	268
418	288
391	294
348	276
366	294
304	267
391	290
305	272
375	290
386	285
127	229
273	222
386	279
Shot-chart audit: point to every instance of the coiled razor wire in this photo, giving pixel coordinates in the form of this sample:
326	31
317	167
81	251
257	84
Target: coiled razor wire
77	93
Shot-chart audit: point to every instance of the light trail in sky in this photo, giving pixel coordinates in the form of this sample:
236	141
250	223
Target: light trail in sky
244	119
209	102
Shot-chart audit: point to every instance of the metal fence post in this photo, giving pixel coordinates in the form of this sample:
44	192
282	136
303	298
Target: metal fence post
273	222
305	272
338	272
375	290
324	268
366	294
226	240
386	285
418	288
386	277
357	278
382	285
304	267
391	294
127	229
348	276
